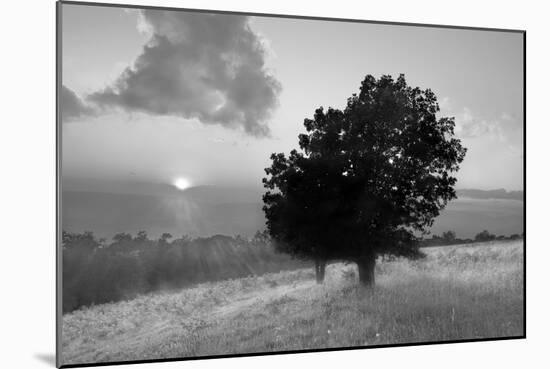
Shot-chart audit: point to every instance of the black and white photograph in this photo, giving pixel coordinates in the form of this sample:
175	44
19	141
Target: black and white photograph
239	184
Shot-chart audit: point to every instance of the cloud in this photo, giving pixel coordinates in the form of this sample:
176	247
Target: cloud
72	106
205	66
504	129
470	126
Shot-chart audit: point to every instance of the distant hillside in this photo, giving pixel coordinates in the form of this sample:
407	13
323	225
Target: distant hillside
467	217
490	194
208	210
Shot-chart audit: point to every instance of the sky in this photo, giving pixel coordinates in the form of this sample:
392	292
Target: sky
151	96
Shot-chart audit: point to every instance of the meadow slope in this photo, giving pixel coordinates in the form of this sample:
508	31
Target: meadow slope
456	292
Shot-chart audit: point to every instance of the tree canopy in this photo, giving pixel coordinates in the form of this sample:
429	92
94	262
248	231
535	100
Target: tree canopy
365	179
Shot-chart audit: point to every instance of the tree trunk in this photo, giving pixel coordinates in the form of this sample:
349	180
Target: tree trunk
320	270
365	265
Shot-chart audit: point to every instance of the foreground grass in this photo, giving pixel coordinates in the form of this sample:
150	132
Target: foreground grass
457	292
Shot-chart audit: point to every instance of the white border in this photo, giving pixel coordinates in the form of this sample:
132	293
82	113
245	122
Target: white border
28	181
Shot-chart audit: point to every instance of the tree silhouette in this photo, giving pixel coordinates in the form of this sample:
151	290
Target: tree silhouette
141	236
163	240
85	241
365	179
484	236
122	237
449	237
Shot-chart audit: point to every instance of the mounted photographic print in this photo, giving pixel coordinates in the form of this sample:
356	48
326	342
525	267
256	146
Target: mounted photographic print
243	184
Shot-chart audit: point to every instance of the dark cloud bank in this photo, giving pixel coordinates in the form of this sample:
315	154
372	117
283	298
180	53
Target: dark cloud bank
72	106
205	66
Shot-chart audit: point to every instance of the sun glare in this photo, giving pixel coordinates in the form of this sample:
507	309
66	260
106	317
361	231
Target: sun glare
182	183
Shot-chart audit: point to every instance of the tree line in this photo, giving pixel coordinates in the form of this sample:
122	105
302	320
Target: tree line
449	238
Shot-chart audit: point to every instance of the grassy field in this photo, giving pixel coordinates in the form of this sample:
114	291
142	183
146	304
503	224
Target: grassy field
456	292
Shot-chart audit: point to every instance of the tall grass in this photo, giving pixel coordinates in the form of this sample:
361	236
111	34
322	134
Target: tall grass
456	292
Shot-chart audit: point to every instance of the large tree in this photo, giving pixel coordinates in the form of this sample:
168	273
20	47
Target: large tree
367	179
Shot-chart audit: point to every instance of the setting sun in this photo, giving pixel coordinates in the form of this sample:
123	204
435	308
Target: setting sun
182	183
